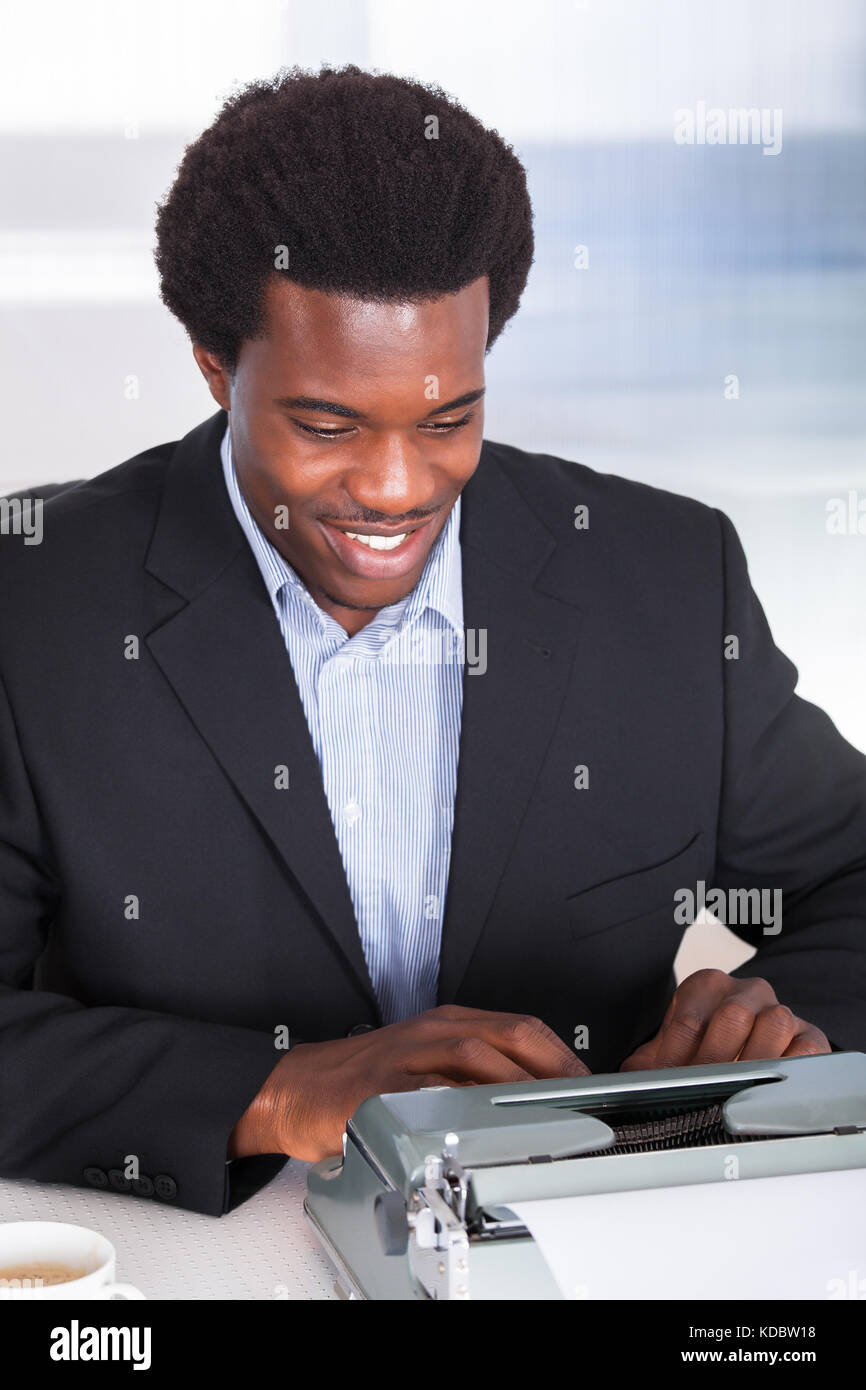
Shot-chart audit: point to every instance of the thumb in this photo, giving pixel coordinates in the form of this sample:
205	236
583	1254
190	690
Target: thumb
642	1059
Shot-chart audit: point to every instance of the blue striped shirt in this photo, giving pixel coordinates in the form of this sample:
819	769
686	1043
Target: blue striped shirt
383	710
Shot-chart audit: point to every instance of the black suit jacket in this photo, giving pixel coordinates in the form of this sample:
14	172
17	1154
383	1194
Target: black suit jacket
164	907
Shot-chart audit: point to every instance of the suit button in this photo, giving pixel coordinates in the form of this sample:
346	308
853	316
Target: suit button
142	1186
358	1028
96	1177
164	1187
118	1179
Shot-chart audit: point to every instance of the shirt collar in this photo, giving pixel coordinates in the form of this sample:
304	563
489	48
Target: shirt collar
439	587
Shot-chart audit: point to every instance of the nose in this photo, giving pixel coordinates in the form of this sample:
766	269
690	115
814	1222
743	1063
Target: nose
393	478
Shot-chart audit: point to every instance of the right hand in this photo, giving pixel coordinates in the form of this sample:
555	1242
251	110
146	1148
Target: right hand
303	1106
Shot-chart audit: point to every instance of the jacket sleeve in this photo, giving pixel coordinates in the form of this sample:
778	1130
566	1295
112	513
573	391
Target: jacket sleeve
792	818
83	1091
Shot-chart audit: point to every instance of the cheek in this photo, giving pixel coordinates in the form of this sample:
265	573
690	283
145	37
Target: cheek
469	457
278	503
278	462
460	458
284	473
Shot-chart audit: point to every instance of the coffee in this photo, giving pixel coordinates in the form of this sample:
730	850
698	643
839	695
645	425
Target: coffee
37	1276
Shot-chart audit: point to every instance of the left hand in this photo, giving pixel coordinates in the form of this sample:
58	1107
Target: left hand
714	1018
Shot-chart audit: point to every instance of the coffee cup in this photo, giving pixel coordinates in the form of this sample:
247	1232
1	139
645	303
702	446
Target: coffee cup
50	1259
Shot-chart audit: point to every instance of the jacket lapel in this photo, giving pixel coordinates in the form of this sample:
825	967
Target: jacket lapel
224	655
511	590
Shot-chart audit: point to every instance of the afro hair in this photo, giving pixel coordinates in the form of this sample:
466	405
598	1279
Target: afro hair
340	181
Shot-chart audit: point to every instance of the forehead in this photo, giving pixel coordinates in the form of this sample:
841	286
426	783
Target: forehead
331	337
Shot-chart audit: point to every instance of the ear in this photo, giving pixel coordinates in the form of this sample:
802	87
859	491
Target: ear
214	374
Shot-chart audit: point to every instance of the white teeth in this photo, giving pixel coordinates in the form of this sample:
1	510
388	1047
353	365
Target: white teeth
378	542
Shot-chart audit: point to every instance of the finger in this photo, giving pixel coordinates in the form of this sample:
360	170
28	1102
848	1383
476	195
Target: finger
669	1011
433	1078
700	984
680	1039
772	1033
532	1044
729	1030
696	1002
808	1043
465	1058
693	1005
525	1039
642	1059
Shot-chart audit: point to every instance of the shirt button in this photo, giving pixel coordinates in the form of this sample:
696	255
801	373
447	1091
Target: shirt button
118	1179
96	1177
143	1186
351	812
165	1187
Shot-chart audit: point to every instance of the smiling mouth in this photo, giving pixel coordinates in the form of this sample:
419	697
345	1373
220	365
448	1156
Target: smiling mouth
380	540
376	552
377	542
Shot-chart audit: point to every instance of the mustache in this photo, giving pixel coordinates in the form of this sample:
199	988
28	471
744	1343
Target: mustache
374	518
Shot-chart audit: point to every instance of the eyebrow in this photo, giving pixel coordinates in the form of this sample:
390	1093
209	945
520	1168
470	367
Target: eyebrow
348	413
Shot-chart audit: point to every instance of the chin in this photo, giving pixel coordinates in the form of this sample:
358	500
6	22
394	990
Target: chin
370	602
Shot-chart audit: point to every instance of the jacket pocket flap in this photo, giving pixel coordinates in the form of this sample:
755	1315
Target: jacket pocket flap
635	894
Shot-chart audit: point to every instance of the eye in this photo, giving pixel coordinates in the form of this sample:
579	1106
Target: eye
430	427
436	427
320	433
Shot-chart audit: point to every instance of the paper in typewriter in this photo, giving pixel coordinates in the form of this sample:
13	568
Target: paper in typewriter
802	1236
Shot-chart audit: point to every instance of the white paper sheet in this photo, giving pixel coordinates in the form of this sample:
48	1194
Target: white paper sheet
802	1236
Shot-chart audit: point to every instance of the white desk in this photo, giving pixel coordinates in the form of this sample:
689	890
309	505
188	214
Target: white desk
264	1249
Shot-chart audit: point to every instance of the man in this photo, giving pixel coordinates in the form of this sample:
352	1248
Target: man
345	752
